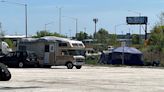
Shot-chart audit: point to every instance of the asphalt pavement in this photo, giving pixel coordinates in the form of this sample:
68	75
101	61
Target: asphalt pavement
87	79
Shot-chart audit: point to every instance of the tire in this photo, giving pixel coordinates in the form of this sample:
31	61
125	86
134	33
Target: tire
69	65
20	64
78	67
5	74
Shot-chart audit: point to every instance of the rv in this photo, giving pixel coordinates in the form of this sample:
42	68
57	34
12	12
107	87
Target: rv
55	51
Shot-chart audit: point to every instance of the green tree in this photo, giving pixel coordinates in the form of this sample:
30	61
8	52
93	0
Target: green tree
46	33
9	42
113	40
102	36
156	40
135	39
82	35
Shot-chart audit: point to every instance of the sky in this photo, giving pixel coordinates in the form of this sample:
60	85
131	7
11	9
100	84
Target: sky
109	13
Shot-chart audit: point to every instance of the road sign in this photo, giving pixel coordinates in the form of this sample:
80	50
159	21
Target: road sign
137	20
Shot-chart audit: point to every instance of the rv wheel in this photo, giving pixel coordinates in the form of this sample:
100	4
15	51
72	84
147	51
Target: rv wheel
69	65
78	67
20	65
5	74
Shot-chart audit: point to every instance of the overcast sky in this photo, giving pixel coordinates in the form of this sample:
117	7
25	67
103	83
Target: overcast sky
108	12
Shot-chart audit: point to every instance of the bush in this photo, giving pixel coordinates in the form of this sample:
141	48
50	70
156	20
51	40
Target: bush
91	60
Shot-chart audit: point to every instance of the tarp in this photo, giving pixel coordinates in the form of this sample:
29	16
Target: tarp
129	50
132	56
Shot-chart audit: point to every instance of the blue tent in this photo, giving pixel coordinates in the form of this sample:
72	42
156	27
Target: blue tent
132	56
129	50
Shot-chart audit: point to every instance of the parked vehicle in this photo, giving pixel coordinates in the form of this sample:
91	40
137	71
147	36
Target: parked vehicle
55	51
20	59
5	74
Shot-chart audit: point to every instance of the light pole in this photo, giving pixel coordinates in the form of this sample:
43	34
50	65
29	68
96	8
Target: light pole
45	25
95	20
25	7
60	23
76	23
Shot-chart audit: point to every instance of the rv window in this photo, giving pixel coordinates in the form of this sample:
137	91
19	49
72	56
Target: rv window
81	45
46	49
74	52
64	53
62	44
75	45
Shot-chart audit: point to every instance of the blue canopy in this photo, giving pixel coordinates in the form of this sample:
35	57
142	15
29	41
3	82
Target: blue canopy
129	50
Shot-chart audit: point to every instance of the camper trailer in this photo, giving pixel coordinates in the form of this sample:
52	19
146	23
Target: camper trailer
55	51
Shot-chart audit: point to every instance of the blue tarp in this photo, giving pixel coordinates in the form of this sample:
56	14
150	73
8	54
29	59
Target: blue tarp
129	50
132	56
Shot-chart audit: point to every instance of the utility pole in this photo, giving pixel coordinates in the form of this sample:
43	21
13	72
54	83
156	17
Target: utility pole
95	20
60	20
25	7
76	27
26	18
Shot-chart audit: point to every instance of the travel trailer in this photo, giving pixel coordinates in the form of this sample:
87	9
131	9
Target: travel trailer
56	51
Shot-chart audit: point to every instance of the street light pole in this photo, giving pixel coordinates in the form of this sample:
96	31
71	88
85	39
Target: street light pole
76	27
26	19
25	6
60	20
95	20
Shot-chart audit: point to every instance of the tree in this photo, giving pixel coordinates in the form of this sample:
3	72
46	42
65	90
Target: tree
9	42
156	40
82	35
102	36
46	33
113	40
135	39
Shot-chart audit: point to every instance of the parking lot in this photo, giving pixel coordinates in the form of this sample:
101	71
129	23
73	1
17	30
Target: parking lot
87	79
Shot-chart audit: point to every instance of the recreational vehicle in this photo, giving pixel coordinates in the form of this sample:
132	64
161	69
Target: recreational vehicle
56	51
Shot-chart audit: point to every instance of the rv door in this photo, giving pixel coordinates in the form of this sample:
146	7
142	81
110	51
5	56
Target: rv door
46	54
49	54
